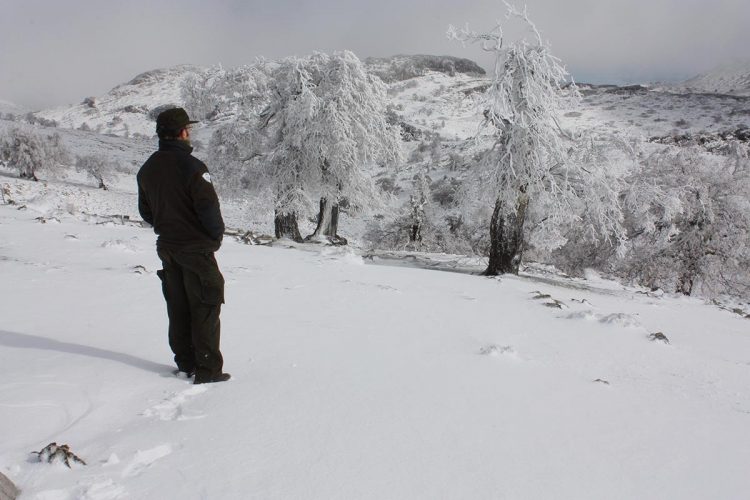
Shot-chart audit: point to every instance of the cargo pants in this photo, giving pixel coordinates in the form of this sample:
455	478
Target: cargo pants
193	288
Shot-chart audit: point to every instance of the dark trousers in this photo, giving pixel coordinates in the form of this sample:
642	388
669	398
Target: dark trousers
194	290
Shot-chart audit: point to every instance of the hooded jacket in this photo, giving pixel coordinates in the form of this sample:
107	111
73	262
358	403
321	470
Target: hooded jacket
176	197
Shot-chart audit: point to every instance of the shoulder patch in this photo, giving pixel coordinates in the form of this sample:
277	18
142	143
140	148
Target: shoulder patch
207	177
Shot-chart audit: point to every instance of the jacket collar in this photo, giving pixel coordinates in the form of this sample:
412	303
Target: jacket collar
175	145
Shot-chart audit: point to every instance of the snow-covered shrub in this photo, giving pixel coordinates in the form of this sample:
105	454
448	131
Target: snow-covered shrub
29	152
102	169
421	224
689	222
388	184
445	191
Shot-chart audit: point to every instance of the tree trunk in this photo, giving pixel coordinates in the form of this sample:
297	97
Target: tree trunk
29	174
506	238
685	283
416	233
328	224
417	217
285	226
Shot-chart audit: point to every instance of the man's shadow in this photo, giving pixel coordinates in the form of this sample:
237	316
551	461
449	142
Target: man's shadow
26	341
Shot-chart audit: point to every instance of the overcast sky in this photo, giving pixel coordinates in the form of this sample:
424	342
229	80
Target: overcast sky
59	51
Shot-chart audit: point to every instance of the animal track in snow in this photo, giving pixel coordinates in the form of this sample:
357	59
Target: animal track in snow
144	459
172	408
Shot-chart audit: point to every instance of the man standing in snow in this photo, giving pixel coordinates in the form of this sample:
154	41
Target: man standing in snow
176	197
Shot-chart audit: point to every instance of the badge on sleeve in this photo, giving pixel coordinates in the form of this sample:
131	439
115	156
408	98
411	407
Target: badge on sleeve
207	177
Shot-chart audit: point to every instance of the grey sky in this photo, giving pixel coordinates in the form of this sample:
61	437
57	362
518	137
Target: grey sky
59	51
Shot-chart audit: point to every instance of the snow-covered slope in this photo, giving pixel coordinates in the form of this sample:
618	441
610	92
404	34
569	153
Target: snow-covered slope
358	381
127	109
441	99
12	108
733	79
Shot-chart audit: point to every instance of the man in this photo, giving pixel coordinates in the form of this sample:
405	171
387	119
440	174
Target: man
176	197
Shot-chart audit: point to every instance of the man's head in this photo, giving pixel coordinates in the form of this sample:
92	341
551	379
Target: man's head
173	124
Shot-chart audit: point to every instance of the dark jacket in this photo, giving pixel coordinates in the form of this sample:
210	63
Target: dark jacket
175	195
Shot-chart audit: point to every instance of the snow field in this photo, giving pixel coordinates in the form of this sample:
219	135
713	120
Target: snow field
359	381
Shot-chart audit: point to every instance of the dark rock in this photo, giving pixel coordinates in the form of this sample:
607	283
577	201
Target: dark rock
658	337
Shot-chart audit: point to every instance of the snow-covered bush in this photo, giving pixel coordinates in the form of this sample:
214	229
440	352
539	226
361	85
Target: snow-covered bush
423	223
29	152
102	169
689	222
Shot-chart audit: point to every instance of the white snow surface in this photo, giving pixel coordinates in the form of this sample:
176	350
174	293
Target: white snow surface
357	381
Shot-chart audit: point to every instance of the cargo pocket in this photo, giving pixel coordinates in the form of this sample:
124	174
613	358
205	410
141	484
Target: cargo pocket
212	290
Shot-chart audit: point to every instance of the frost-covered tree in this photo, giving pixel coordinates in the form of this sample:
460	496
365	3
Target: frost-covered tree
327	125
199	97
417	203
213	92
528	174
102	169
351	134
289	164
29	152
689	219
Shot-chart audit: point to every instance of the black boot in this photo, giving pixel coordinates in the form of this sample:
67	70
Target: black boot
222	377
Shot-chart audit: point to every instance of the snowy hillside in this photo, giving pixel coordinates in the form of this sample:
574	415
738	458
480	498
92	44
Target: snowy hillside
127	109
9	107
732	79
359	381
443	102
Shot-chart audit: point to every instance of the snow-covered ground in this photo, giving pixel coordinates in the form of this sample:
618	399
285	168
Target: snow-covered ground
353	380
731	78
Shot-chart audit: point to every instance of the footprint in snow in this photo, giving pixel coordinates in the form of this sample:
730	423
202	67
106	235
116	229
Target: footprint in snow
120	245
100	490
495	350
173	407
144	459
620	319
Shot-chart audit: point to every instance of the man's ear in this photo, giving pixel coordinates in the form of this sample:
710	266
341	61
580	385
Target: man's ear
184	134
